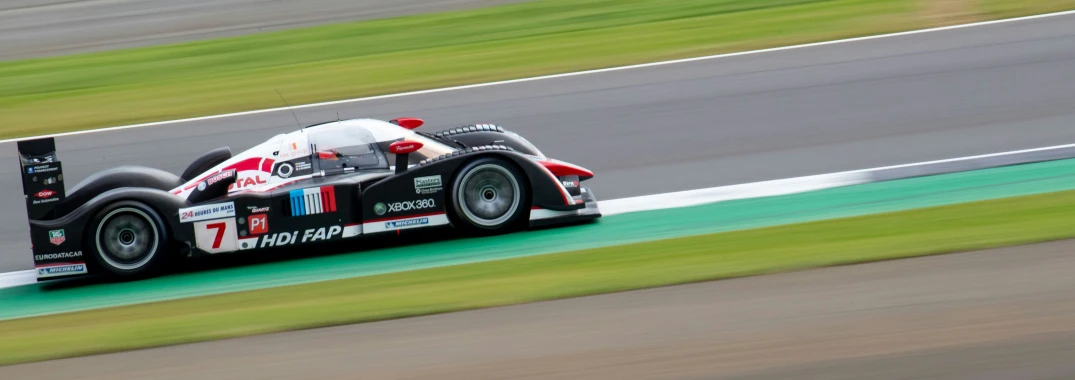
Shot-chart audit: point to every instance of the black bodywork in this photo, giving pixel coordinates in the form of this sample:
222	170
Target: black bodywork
345	204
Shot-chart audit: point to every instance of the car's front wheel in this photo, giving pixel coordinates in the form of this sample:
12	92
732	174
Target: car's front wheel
490	195
129	239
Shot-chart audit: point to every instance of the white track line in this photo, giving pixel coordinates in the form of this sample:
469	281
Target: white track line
554	76
677	199
19	278
774	187
698	197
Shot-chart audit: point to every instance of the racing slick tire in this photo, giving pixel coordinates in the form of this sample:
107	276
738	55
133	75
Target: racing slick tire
128	240
489	195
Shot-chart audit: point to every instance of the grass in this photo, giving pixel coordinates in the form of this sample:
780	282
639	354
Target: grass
387	56
938	230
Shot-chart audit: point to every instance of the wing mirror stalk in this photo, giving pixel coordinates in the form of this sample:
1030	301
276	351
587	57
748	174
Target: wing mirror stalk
402	150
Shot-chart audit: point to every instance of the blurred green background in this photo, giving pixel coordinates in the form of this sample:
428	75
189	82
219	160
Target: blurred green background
342	61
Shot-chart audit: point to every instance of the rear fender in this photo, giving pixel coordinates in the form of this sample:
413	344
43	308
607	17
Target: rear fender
103	182
69	233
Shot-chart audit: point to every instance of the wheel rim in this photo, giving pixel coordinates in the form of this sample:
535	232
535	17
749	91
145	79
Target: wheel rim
126	238
488	195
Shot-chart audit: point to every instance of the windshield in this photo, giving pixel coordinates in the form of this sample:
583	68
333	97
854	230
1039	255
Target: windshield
341	146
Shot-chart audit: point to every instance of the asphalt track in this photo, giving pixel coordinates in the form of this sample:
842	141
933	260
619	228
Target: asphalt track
409	252
700	124
1000	314
36	28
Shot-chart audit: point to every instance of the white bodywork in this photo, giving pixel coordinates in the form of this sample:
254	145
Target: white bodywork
253	166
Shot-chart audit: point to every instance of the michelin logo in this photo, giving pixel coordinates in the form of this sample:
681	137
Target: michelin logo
61	270
406	223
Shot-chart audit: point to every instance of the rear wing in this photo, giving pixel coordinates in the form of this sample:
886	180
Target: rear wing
42	176
57	253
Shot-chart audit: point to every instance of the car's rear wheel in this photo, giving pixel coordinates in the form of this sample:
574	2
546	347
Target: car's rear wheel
129	239
489	195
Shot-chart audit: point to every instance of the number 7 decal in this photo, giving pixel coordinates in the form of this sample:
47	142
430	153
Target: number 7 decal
215	236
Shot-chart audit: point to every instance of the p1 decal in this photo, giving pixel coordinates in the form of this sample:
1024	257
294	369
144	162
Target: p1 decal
312	201
215	236
259	224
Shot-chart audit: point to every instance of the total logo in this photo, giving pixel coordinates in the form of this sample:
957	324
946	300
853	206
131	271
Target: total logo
311	235
421	204
243	183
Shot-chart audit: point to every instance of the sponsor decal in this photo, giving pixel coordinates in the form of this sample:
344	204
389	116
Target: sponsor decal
204	212
57	256
302	165
295	153
570	183
49	180
380	208
41	169
310	235
312	201
44	193
259	224
50	200
61	270
406	223
218	177
56	237
247	182
427	185
201	186
420	204
257	210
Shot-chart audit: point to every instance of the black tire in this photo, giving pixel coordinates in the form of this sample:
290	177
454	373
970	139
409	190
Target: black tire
490	195
128	240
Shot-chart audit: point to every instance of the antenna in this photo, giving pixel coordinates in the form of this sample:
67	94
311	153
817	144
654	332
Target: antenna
289	108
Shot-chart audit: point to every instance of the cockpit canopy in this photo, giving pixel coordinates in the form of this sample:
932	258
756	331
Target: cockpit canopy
363	144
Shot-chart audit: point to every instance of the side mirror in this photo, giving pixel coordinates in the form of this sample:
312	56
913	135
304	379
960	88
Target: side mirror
407	122
402	149
329	154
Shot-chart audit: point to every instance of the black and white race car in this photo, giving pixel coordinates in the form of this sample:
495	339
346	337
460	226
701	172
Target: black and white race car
326	182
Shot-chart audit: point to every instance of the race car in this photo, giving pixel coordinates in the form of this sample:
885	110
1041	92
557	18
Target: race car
326	182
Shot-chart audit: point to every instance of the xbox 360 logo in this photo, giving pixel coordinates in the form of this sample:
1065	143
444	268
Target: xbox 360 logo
380	208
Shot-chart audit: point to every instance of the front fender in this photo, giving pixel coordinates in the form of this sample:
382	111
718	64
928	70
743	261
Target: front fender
546	190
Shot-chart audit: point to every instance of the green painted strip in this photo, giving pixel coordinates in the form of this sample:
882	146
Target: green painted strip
612	230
